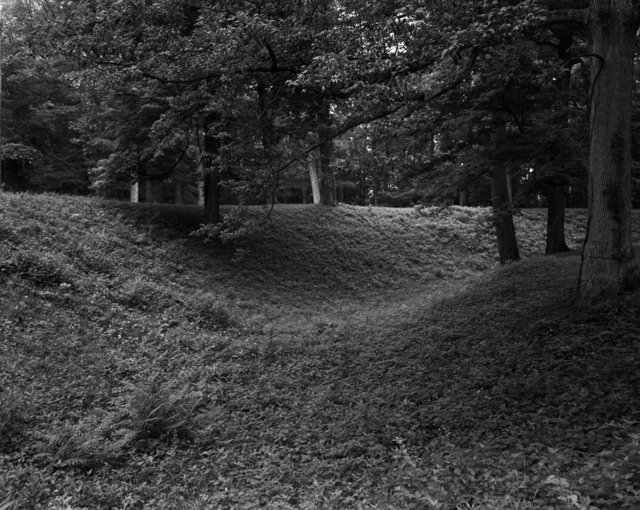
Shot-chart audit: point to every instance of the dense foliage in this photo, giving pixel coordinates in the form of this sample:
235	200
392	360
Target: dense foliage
388	103
39	149
276	82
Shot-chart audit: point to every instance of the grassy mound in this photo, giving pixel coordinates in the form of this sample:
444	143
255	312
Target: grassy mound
339	358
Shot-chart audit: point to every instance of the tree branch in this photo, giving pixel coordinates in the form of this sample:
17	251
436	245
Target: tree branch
419	100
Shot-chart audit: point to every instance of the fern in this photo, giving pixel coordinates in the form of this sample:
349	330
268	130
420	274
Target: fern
8	503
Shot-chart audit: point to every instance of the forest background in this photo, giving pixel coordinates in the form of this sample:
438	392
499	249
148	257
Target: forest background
334	356
472	103
381	104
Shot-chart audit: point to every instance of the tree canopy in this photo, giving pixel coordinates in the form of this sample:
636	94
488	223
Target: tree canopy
396	103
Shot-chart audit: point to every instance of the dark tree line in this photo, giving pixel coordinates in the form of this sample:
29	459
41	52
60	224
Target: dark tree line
388	103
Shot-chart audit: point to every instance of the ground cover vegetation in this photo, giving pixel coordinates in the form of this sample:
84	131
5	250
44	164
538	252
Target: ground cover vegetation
229	351
337	358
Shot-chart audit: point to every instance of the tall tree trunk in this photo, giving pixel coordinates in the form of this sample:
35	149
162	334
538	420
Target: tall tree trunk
201	190
503	216
201	166
149	195
212	180
326	174
555	187
315	183
555	218
464	197
607	257
502	204
134	192
269	135
212	196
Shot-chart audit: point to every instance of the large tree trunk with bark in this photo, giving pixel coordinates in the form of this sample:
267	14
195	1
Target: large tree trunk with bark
608	264
315	183
326	172
464	198
212	196
200	186
134	192
503	216
555	187
149	195
555	218
502	203
266	119
327	175
211	179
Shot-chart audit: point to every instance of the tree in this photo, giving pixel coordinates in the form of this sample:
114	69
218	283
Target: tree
565	127
501	198
40	152
608	263
205	60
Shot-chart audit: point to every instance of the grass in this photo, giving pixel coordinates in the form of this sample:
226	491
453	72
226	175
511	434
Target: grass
338	358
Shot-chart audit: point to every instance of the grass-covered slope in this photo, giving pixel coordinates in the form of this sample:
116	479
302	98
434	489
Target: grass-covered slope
340	358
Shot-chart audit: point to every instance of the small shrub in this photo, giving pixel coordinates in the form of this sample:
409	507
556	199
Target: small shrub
61	503
8	497
209	312
237	225
93	261
42	269
24	489
14	407
81	446
143	294
8	503
11	424
158	412
65	447
8	235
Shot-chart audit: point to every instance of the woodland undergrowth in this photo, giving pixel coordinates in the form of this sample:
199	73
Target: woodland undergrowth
339	358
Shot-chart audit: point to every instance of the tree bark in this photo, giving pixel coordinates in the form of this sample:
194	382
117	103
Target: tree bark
134	191
212	196
555	187
555	219
608	264
149	196
502	204
503	216
269	136
326	172
327	175
315	183
211	180
201	189
201	168
464	197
